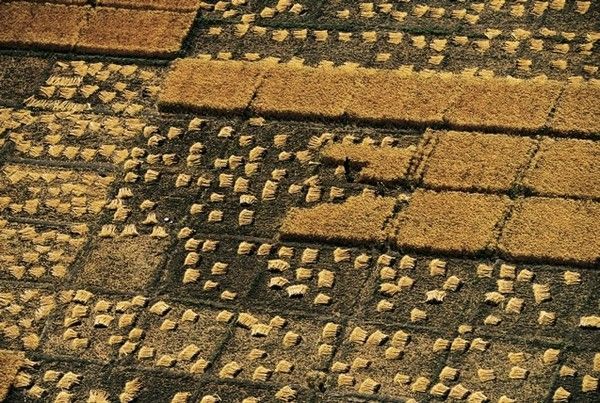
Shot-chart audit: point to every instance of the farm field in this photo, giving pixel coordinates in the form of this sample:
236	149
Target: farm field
299	201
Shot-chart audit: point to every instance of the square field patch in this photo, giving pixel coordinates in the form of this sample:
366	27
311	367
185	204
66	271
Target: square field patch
557	230
452	222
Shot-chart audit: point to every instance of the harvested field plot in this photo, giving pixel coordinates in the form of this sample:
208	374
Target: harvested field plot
359	219
203	86
480	162
553	229
503	104
577	110
134	33
131	263
451	222
566	168
299	201
38	253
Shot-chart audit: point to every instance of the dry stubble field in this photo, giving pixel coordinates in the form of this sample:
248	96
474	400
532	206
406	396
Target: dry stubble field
311	201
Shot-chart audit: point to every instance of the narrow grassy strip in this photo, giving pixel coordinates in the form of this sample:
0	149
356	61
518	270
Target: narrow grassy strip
375	164
167	5
551	229
566	167
134	33
577	110
476	161
358	220
450	222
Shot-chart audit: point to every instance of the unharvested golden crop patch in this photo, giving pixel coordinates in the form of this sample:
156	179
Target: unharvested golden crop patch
10	363
51	26
553	229
358	220
504	104
474	161
134	32
210	85
566	168
451	222
169	5
305	92
577	110
377	164
125	264
386	96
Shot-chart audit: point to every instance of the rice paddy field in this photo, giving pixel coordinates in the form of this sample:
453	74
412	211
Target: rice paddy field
299	201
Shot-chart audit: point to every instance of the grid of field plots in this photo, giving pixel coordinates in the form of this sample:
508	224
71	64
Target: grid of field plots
299	201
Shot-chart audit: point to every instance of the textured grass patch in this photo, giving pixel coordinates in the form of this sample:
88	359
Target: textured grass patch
474	161
134	33
566	168
504	104
169	5
357	220
393	97
577	110
451	222
305	92
49	26
201	85
556	230
377	164
10	363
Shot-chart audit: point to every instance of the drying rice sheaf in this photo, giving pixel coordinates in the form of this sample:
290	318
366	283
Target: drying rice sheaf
299	201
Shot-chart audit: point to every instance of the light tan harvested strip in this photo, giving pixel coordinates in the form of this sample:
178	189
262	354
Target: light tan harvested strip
578	109
387	96
391	97
558	230
199	85
452	222
504	104
168	5
134	32
377	164
475	161
357	220
10	363
292	91
48	26
566	167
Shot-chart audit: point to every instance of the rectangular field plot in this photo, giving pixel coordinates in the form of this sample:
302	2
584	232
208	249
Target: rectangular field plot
52	193
38	253
278	350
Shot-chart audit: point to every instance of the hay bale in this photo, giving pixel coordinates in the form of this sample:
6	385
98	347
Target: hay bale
577	109
120	31
566	168
216	86
376	164
504	104
556	230
475	161
358	220
451	222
